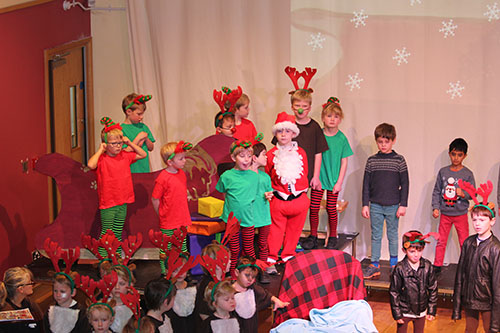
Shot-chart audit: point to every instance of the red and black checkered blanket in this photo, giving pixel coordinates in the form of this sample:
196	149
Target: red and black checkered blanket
319	279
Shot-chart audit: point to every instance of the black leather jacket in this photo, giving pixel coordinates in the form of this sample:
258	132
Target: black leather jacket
477	282
413	291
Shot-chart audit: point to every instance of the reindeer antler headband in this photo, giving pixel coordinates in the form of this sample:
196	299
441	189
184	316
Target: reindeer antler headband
417	237
484	190
141	99
55	252
294	75
181	147
246	143
223	96
331	100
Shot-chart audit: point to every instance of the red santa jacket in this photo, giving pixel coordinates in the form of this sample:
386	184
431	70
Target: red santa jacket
301	183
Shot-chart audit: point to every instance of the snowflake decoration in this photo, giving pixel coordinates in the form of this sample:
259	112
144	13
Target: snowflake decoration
93	185
401	56
492	12
316	41
413	2
85	168
359	18
448	28
455	89
354	81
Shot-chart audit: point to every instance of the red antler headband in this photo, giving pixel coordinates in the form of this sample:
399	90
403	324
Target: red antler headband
417	237
484	190
227	95
141	99
294	75
181	147
331	100
54	252
111	244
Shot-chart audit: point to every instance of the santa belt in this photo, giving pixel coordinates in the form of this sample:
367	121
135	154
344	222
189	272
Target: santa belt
290	197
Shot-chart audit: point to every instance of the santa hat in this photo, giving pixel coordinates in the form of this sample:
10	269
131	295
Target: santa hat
285	121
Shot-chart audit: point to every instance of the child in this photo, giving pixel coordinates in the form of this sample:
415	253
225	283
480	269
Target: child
449	199
220	298
333	169
477	281
240	186
244	129
287	167
67	315
134	107
262	213
224	124
251	298
170	192
114	179
122	313
413	290
100	317
159	295
385	196
15	289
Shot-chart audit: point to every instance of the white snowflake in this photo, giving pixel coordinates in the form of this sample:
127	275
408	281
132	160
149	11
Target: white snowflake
413	2
354	81
448	28
93	185
316	41
359	18
455	89
401	56
492	12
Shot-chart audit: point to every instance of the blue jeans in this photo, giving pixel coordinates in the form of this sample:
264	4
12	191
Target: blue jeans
378	214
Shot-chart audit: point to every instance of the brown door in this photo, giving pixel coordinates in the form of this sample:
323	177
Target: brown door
69	98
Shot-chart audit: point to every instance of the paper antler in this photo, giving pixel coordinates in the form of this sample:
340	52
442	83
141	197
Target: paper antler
220	98
130	245
211	264
133	301
294	76
485	190
70	256
160	240
232	227
175	261
308	74
92	245
87	285
107	283
54	251
233	97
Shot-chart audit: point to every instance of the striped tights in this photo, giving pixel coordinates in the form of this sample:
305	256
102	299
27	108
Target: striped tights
331	209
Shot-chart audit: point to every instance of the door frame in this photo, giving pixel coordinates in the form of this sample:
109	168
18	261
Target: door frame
88	102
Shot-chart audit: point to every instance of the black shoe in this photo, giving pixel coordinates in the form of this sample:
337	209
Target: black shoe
332	243
264	278
311	242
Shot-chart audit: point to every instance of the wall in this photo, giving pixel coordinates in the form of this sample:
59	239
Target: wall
23	199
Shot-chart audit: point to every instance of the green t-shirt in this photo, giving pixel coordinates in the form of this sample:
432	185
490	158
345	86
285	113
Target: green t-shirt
240	187
338	148
131	131
261	210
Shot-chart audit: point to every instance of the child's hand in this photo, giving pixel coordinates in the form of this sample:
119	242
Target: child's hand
401	211
435	213
268	195
141	137
430	317
400	321
315	183
365	212
279	304
102	147
337	188
126	141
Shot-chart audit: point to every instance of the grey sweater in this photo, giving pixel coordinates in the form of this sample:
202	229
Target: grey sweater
444	195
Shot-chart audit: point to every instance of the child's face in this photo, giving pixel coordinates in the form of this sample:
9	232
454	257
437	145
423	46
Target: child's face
260	160
414	254
226	302
135	116
121	287
482	225
332	120
284	136
385	145
243	111
457	157
243	159
246	277
114	145
301	109
178	161
100	321
227	127
62	294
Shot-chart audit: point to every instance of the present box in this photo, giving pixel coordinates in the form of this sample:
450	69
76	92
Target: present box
210	206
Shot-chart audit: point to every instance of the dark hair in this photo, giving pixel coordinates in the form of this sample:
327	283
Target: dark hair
218	121
155	292
258	148
458	144
246	260
386	131
481	210
417	245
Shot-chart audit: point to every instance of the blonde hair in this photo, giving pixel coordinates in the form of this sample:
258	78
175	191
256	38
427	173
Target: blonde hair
129	99
115	132
99	307
301	95
332	108
224	287
125	273
238	149
244	99
167	150
12	279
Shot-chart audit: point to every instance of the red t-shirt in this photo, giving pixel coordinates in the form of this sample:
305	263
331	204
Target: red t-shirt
171	190
114	179
245	131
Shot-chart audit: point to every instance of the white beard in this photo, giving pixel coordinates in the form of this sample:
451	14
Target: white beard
288	164
184	301
62	320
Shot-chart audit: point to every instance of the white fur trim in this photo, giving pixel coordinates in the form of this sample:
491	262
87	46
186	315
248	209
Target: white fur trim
62	320
184	301
230	325
286	125
122	315
245	303
288	163
167	326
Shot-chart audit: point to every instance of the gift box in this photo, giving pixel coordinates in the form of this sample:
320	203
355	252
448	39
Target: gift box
210	206
206	228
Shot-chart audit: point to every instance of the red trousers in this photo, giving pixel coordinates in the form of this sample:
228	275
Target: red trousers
288	218
461	223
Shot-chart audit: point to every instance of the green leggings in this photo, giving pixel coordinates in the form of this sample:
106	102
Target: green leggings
113	218
170	232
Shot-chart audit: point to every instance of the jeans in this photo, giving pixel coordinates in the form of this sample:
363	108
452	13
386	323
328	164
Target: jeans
378	214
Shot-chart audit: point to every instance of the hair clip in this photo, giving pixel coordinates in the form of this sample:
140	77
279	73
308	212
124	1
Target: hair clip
331	100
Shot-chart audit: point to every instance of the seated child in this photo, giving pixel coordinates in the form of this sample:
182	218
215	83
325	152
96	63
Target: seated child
100	317
122	312
67	314
251	298
220	298
159	295
244	128
413	289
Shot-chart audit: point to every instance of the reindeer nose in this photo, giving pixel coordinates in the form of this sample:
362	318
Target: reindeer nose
300	111
233	129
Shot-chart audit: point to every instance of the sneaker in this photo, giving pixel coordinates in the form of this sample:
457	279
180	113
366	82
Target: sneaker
311	242
371	272
264	278
271	270
332	243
